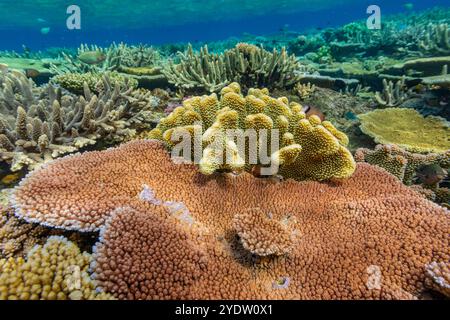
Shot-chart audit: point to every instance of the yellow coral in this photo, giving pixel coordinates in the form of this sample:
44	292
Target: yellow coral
408	129
309	149
55	271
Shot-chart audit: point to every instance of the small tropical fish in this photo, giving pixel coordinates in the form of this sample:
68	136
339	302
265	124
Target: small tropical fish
31	73
45	30
408	6
350	116
430	174
40	20
310	111
92	57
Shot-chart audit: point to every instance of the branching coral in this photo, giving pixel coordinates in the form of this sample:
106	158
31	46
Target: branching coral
407	129
392	95
304	90
75	82
55	271
247	64
362	238
41	124
308	147
436	40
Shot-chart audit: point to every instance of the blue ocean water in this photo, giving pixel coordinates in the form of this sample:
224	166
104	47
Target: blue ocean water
26	22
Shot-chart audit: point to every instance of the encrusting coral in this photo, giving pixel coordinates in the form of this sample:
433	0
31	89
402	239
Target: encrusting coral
169	232
38	124
408	129
247	64
308	147
55	271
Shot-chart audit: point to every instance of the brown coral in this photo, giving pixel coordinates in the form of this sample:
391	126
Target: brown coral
366	237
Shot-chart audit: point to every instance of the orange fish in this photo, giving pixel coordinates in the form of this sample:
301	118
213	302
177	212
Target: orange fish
32	73
310	111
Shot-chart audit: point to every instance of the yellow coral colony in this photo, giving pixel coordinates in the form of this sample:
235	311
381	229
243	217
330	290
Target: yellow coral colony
408	129
309	149
55	271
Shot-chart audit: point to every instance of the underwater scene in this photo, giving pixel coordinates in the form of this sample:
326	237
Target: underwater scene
224	150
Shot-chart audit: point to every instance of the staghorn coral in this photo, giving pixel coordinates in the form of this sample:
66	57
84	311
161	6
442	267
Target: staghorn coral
436	40
408	129
366	237
75	82
438	277
308	147
399	162
55	271
304	90
39	124
392	95
247	64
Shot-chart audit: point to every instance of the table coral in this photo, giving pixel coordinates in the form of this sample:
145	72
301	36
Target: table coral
54	271
75	82
168	231
308	147
407	129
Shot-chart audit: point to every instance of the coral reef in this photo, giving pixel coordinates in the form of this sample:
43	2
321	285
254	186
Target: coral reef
39	124
308	147
169	232
407	129
247	64
55	271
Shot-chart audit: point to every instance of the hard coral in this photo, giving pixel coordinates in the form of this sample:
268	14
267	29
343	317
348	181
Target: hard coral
247	64
399	162
308	147
168	231
407	129
55	271
38	124
75	82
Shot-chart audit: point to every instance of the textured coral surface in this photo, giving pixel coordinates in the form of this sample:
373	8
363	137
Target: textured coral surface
170	232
